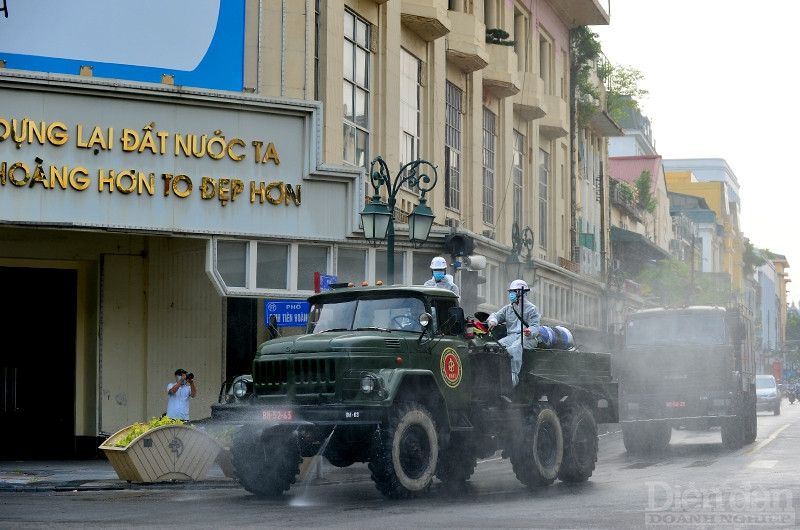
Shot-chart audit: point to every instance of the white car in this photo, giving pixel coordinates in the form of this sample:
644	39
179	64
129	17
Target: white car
768	396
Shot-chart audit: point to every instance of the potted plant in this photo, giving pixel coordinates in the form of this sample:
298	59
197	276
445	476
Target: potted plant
161	450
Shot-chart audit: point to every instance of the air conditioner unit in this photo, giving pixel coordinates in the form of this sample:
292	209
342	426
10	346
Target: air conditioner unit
451	222
490	234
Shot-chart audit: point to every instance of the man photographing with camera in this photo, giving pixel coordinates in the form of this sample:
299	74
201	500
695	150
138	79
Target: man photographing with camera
178	394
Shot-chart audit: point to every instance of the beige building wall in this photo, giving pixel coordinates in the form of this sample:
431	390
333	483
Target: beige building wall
147	294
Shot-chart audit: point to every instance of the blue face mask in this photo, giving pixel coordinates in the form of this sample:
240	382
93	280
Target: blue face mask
512	296
438	275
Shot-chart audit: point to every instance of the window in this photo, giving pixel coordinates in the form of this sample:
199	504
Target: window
546	62
544	171
521	38
232	259
409	107
517	170
356	90
351	265
272	266
422	267
488	165
452	146
310	259
381	263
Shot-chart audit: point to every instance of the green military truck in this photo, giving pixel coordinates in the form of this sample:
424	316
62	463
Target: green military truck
689	367
394	376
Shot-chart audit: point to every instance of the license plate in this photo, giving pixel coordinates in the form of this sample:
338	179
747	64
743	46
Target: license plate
675	404
277	415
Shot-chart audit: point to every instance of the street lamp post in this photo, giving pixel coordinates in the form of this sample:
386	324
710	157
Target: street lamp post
514	262
378	218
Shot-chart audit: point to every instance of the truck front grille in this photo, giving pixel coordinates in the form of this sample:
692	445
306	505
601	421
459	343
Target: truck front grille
304	376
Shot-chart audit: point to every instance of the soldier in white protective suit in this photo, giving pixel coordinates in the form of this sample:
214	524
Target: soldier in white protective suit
440	278
516	322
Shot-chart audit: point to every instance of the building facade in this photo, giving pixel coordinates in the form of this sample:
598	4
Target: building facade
157	206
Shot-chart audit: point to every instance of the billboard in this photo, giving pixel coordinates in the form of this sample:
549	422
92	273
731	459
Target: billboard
199	42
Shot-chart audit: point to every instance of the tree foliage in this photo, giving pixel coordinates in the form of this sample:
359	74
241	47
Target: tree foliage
623	92
674	283
644	197
753	258
584	48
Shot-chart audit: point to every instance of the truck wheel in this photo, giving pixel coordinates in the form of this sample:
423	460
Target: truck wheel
580	444
265	466
536	457
634	438
405	453
660	436
646	437
732	430
456	462
750	420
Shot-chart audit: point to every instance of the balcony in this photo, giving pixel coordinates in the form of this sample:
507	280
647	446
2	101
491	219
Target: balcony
466	43
616	197
500	77
577	13
528	102
426	18
555	124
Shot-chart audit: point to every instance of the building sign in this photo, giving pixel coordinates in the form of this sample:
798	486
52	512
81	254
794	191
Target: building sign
289	313
86	153
200	43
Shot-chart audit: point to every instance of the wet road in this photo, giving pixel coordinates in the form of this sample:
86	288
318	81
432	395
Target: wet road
696	484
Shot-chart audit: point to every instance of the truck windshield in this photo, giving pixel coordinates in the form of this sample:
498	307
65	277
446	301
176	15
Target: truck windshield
665	330
394	314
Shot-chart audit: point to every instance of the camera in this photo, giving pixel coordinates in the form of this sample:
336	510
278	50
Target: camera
189	377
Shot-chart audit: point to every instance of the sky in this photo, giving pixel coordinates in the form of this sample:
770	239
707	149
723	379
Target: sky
721	81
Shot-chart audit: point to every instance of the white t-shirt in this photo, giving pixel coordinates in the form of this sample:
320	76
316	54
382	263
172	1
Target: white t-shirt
178	403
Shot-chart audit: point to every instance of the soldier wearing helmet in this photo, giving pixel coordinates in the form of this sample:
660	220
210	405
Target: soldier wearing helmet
440	277
522	320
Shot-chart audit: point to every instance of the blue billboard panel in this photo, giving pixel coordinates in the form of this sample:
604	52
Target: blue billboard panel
200	43
287	312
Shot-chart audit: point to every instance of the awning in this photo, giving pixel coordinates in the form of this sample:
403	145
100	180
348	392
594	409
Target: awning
637	246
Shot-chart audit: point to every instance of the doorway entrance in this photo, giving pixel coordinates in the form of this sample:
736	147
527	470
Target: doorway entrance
37	362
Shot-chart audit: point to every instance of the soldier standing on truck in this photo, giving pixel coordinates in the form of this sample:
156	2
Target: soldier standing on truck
519	323
440	277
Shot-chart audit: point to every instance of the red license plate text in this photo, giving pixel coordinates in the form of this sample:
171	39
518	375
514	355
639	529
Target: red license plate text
277	415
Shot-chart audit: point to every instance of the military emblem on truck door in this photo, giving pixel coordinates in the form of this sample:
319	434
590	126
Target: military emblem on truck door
451	367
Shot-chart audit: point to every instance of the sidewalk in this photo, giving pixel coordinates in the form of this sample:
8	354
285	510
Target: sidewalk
86	475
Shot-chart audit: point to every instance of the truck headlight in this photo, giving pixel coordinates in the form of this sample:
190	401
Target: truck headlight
369	383
240	389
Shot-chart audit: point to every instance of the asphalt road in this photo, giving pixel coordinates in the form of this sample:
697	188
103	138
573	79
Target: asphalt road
696	484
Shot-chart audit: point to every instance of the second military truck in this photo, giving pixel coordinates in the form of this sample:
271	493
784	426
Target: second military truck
689	367
395	377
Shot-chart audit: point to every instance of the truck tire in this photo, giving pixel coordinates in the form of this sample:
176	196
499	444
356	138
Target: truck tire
457	461
405	453
579	431
646	437
536	456
732	430
265	466
750	419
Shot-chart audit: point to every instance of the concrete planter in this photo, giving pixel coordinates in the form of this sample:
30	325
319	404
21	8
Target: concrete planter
169	452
